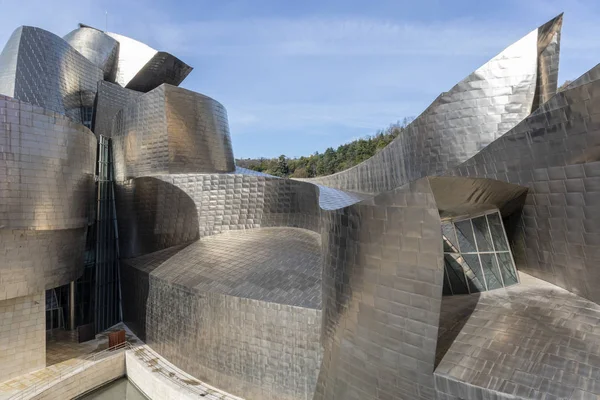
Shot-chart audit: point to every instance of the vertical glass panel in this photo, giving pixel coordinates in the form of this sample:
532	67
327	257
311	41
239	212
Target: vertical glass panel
447	291
466	241
507	268
482	234
490	269
455	275
449	238
473	272
497	232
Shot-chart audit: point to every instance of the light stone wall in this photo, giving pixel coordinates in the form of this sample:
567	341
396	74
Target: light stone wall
22	335
94	376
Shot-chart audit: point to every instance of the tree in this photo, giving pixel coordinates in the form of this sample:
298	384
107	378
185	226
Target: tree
282	168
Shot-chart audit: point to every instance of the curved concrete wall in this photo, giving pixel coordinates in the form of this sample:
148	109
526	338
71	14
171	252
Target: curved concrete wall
46	188
169	131
42	69
464	120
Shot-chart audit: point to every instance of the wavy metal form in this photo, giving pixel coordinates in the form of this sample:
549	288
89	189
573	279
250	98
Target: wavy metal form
142	68
464	120
47	167
42	69
207	204
171	130
96	46
554	153
111	99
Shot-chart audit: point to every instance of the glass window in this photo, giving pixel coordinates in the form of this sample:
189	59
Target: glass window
481	260
482	234
449	237
456	274
506	267
497	232
492	273
473	272
466	241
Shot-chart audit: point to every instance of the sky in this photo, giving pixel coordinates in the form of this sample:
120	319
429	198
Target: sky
298	77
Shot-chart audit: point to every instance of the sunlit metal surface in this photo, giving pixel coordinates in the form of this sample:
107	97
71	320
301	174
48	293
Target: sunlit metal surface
142	68
111	99
462	121
46	187
207	204
530	341
42	69
171	130
96	46
554	153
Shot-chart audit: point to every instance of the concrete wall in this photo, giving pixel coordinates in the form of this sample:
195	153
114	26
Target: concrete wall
86	379
22	335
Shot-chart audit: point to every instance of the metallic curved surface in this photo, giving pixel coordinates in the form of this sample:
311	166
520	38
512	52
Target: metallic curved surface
42	69
528	341
47	167
462	121
171	130
255	328
140	67
96	46
111	99
554	153
207	204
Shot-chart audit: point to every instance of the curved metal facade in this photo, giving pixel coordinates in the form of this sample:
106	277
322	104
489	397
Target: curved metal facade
330	289
42	69
96	46
171	130
462	121
141	68
47	169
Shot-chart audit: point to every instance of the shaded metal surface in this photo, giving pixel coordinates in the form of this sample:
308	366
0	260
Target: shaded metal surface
554	153
462	121
171	130
382	288
98	47
166	210
279	265
42	69
46	186
110	100
140	67
530	341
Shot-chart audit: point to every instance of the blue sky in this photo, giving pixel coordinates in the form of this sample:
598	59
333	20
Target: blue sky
300	76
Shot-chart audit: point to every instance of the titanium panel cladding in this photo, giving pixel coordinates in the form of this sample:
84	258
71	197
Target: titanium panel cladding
207	204
96	46
553	153
111	99
140	67
42	69
464	120
46	187
171	130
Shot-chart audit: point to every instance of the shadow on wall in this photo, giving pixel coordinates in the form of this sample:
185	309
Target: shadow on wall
153	215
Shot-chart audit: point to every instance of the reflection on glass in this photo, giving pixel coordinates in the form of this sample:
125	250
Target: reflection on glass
482	234
484	261
466	241
449	237
497	232
455	275
473	272
492	274
506	267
